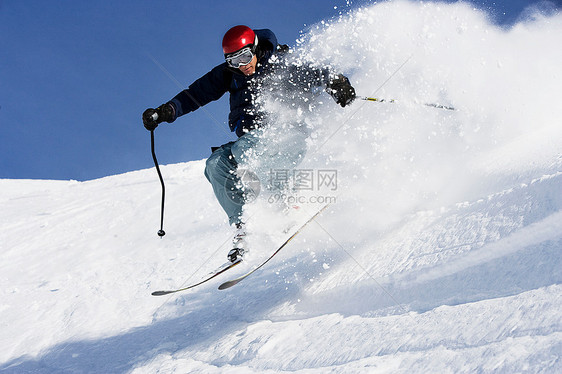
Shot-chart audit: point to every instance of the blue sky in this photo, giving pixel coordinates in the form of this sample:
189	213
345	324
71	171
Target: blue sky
75	77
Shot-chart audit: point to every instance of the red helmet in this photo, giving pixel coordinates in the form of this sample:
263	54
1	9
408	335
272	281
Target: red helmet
237	38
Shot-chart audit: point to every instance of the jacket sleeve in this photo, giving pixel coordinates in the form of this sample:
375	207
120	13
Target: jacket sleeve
209	87
266	39
307	77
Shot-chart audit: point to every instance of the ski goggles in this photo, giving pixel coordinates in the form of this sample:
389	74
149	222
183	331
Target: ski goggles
240	58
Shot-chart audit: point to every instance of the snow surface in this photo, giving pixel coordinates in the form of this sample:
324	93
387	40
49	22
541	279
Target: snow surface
442	252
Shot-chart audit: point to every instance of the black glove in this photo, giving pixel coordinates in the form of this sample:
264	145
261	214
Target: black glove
165	113
341	90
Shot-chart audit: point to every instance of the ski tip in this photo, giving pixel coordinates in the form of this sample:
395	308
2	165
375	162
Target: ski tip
161	293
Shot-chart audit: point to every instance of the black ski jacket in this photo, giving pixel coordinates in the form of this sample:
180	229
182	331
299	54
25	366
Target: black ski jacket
244	114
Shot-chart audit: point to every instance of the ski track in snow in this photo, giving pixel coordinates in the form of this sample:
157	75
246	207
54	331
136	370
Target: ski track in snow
442	252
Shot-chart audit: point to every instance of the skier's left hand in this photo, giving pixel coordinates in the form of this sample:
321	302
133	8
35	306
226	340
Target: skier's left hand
341	90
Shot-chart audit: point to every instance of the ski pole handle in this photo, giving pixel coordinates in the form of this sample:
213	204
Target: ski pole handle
154	116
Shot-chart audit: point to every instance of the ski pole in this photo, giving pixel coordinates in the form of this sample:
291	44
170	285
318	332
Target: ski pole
376	99
161	232
438	106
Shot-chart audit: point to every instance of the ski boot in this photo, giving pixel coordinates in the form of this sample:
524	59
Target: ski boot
238	244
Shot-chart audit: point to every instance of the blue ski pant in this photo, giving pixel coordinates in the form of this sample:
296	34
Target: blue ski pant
257	153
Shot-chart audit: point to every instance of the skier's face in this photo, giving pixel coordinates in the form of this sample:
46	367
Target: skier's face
250	68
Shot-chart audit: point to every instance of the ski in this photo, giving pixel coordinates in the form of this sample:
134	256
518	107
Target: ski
233	282
213	275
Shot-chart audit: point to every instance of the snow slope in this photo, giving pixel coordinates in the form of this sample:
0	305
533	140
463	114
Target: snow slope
441	253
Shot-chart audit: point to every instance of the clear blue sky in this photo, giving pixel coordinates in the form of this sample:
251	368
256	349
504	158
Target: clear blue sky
75	77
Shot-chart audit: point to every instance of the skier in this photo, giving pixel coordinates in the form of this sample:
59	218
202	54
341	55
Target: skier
251	56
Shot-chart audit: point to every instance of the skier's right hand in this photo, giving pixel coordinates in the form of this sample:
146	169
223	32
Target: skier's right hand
164	113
